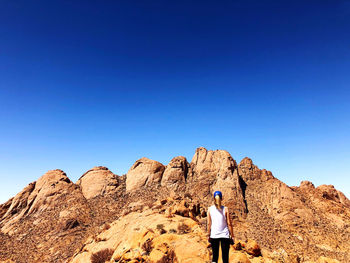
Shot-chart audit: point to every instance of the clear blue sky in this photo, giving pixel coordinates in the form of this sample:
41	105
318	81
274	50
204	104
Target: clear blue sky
87	83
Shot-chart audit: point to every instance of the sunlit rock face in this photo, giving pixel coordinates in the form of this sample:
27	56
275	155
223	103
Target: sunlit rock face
55	220
144	172
175	173
98	181
37	197
216	171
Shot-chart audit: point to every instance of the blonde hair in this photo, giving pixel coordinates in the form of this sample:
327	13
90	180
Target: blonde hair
217	202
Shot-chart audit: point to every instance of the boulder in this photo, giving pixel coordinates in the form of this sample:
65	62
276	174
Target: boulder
144	172
252	248
181	209
97	181
239	257
175	173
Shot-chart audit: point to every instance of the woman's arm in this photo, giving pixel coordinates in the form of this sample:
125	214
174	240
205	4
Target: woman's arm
208	223
228	221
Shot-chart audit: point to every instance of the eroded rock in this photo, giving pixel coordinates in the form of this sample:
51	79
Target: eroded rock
144	172
175	173
98	181
37	197
216	171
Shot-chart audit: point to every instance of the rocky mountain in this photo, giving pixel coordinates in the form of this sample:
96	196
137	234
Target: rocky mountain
157	213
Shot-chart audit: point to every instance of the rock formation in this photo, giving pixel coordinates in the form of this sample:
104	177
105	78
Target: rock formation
329	192
175	173
98	181
41	221
157	213
144	172
37	197
298	217
216	171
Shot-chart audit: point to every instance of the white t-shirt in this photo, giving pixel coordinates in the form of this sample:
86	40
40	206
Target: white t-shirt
219	227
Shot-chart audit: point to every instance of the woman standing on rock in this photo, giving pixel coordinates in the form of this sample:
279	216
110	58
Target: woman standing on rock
219	229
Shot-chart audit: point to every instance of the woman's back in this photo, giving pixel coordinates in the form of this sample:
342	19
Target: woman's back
219	227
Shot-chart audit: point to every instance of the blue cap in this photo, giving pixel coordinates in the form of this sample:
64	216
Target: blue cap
218	193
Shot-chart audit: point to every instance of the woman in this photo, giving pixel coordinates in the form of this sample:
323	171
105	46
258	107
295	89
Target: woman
219	229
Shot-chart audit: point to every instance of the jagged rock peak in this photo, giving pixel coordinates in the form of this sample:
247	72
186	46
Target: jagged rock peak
16	203
37	196
203	155
144	172
52	221
216	171
97	181
219	161
175	173
307	184
52	176
246	162
330	193
249	171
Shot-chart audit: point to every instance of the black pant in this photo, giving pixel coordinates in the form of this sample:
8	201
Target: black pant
225	248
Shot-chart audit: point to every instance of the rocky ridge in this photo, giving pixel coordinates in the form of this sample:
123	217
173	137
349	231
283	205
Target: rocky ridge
56	220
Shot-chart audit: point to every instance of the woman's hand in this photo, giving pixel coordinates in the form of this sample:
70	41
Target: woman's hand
209	243
232	241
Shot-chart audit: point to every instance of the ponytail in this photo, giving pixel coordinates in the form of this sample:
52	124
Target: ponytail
217	202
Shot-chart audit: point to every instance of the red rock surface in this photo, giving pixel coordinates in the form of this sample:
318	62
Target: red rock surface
55	220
